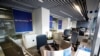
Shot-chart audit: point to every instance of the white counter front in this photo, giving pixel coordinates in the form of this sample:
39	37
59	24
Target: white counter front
64	50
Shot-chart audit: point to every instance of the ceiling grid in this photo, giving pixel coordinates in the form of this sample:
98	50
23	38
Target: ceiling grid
56	6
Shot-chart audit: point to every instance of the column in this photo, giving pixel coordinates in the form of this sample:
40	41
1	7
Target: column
40	18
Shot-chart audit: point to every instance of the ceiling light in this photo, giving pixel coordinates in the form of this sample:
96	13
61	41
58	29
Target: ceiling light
3	8
41	1
65	13
56	16
77	7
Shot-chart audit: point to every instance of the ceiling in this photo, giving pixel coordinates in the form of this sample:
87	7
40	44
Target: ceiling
58	8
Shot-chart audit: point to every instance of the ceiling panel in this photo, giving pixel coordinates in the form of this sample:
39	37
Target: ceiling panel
92	4
63	8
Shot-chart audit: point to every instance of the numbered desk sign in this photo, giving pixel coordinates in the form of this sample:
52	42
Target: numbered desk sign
83	52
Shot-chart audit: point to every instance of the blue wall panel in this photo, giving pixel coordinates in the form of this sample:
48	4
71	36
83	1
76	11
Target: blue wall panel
51	24
22	20
59	24
51	18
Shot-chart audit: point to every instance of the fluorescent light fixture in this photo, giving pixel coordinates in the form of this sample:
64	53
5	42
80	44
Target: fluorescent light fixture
65	13
3	8
56	16
41	1
78	8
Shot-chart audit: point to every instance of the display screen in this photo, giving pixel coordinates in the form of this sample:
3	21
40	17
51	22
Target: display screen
22	20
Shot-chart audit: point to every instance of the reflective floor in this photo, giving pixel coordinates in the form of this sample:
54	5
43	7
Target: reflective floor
9	49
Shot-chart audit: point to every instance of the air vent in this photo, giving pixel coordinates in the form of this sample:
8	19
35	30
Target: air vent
91	11
96	11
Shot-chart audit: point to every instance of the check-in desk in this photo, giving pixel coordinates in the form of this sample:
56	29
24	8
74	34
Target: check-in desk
64	49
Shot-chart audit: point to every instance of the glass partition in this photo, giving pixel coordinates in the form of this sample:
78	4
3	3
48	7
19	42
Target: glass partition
6	21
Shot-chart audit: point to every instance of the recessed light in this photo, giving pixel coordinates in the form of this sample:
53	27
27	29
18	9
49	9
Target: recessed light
41	1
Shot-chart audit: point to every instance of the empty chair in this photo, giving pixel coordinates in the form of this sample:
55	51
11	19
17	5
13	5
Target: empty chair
82	31
74	39
41	40
66	34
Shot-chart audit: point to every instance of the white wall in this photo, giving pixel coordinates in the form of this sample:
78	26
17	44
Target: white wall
45	20
74	24
37	21
66	23
69	24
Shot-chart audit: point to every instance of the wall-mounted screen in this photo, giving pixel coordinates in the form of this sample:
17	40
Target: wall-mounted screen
22	20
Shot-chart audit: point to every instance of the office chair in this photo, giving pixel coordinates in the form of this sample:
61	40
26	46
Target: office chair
41	40
81	31
66	34
74	40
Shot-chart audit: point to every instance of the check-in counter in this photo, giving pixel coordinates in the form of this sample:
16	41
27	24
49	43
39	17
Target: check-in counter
64	49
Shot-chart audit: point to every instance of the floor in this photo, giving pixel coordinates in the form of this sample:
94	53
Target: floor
33	51
9	50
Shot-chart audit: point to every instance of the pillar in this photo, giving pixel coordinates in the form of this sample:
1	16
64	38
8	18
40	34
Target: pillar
40	18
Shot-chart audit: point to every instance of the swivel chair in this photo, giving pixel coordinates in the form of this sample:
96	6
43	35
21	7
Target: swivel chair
74	40
41	40
66	34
